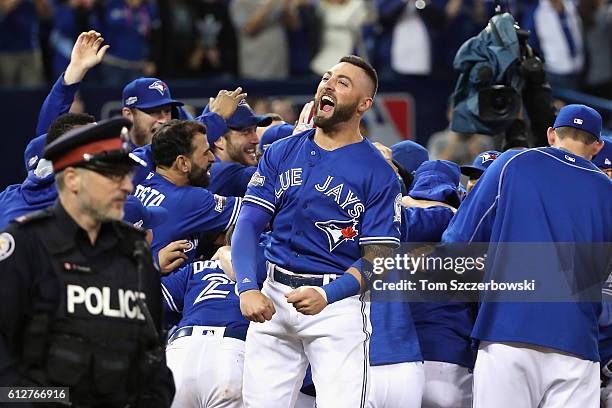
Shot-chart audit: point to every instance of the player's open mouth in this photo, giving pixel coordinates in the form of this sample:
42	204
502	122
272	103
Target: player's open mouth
251	152
326	104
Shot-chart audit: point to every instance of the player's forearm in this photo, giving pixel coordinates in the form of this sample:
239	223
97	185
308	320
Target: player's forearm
56	103
251	223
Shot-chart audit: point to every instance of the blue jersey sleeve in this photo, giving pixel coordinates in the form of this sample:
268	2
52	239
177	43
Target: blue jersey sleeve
210	212
215	125
174	287
260	190
57	103
382	217
474	219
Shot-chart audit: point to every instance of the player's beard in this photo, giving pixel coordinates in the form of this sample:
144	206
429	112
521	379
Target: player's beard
140	135
342	113
198	176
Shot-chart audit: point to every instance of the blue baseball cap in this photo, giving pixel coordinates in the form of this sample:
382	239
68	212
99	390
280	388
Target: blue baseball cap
409	154
603	160
274	133
437	180
146	93
480	164
34	152
580	117
141	216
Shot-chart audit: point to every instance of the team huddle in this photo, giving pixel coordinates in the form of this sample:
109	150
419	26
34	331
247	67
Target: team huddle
266	247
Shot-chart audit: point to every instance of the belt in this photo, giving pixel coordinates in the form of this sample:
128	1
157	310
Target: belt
234	333
293	280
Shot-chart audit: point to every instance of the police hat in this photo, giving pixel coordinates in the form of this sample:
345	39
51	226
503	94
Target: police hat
102	144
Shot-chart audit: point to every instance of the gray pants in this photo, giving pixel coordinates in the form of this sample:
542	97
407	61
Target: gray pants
21	68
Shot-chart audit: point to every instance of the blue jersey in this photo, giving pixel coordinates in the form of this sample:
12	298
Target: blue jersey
32	195
230	178
394	335
443	328
537	195
192	211
129	29
325	203
203	294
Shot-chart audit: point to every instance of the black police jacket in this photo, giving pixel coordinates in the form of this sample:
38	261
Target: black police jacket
70	313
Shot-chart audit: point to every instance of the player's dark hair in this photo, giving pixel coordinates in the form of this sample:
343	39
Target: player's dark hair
174	138
575	134
365	65
65	123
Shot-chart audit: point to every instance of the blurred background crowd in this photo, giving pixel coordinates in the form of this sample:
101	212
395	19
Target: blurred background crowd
280	39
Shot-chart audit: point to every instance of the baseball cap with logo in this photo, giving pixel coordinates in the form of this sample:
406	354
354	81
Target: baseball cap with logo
409	154
437	180
34	152
603	160
147	93
580	117
480	164
141	216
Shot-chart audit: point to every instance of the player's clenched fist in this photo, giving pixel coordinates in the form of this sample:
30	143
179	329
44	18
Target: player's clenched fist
308	300
256	307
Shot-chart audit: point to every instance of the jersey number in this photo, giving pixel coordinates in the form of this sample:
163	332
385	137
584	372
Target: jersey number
210	291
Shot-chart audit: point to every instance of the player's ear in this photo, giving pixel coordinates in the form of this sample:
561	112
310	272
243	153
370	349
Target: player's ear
365	105
551	135
596	147
127	113
182	163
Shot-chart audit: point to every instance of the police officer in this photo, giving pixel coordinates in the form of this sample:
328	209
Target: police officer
80	299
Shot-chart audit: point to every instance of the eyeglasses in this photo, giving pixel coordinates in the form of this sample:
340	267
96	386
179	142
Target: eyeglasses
116	175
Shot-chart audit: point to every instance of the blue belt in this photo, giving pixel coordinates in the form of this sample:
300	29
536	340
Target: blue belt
296	281
234	333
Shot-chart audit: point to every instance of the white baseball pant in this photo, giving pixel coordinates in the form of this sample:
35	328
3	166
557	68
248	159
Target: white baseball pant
335	342
447	385
207	369
396	385
511	375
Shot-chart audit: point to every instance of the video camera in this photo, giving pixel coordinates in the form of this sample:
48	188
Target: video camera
496	67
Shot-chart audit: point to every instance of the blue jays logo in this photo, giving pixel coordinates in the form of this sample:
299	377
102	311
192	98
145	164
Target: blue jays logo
338	232
160	86
485	157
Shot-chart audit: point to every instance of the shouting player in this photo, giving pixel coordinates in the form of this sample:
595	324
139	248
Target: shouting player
329	195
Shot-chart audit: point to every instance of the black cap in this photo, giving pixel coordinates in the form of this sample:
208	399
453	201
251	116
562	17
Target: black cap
102	144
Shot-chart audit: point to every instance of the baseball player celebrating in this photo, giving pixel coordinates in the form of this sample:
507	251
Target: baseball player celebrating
328	194
540	354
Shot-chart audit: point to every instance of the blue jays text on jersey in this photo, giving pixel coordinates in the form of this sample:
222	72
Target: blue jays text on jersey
204	295
537	195
325	203
192	211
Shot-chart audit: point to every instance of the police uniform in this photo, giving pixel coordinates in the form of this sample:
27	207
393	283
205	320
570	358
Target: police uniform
81	315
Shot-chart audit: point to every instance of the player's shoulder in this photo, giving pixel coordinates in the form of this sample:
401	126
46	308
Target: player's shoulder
289	143
371	159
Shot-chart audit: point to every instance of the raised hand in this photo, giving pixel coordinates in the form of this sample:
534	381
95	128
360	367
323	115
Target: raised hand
87	52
